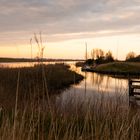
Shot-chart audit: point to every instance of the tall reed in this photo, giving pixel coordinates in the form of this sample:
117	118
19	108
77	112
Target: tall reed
38	116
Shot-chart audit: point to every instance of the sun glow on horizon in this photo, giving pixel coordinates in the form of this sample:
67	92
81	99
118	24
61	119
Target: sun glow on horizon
120	45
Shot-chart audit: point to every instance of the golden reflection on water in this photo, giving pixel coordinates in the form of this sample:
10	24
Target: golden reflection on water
17	64
93	84
29	64
101	83
96	86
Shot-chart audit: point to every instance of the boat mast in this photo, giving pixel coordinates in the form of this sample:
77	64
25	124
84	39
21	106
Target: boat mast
85	71
86	51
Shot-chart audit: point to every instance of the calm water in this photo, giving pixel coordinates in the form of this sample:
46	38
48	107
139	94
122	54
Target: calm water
27	64
93	86
16	64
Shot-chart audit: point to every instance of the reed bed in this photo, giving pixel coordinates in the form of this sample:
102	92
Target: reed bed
79	121
41	118
38	81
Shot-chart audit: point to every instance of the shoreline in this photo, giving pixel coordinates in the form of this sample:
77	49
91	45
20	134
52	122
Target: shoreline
126	69
35	82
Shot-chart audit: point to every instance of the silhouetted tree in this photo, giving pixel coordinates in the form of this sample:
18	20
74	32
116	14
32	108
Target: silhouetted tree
97	53
109	57
98	56
130	55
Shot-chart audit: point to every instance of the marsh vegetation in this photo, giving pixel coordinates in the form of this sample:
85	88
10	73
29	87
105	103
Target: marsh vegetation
31	113
35	81
29	109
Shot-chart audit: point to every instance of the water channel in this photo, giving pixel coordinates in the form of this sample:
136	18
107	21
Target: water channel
94	86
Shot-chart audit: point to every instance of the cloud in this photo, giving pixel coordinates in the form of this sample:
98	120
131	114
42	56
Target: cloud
68	17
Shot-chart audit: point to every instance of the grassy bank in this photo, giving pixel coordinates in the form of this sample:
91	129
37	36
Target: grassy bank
119	68
35	81
36	117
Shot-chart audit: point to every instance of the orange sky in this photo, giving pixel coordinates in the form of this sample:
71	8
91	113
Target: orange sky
67	24
75	48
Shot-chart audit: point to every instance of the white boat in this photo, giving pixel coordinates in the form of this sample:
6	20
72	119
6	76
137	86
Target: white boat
86	68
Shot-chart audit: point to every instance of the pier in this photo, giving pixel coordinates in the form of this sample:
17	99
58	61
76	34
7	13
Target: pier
134	92
134	87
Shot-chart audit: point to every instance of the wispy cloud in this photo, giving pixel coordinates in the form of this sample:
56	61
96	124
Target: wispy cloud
73	18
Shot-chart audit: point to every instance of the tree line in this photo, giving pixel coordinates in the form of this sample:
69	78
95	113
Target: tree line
98	56
132	57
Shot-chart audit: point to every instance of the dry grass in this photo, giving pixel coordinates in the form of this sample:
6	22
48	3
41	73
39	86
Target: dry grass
44	119
33	81
104	120
119	67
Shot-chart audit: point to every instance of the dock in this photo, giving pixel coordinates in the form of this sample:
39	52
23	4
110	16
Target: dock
134	92
134	87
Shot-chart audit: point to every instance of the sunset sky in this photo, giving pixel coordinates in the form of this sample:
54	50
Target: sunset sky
67	24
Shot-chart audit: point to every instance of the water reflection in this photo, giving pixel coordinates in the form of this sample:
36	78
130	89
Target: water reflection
94	86
17	64
29	64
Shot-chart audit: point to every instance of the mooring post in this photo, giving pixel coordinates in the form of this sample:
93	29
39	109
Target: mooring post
131	90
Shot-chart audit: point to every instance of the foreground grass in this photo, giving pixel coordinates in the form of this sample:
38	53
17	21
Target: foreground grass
100	120
41	118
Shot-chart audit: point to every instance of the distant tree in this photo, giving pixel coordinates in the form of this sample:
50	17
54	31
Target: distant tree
109	57
97	53
99	57
130	55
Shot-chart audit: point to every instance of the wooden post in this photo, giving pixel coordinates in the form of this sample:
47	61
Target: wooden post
134	86
131	89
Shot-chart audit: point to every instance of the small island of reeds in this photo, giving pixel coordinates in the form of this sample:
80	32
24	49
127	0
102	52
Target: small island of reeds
35	81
